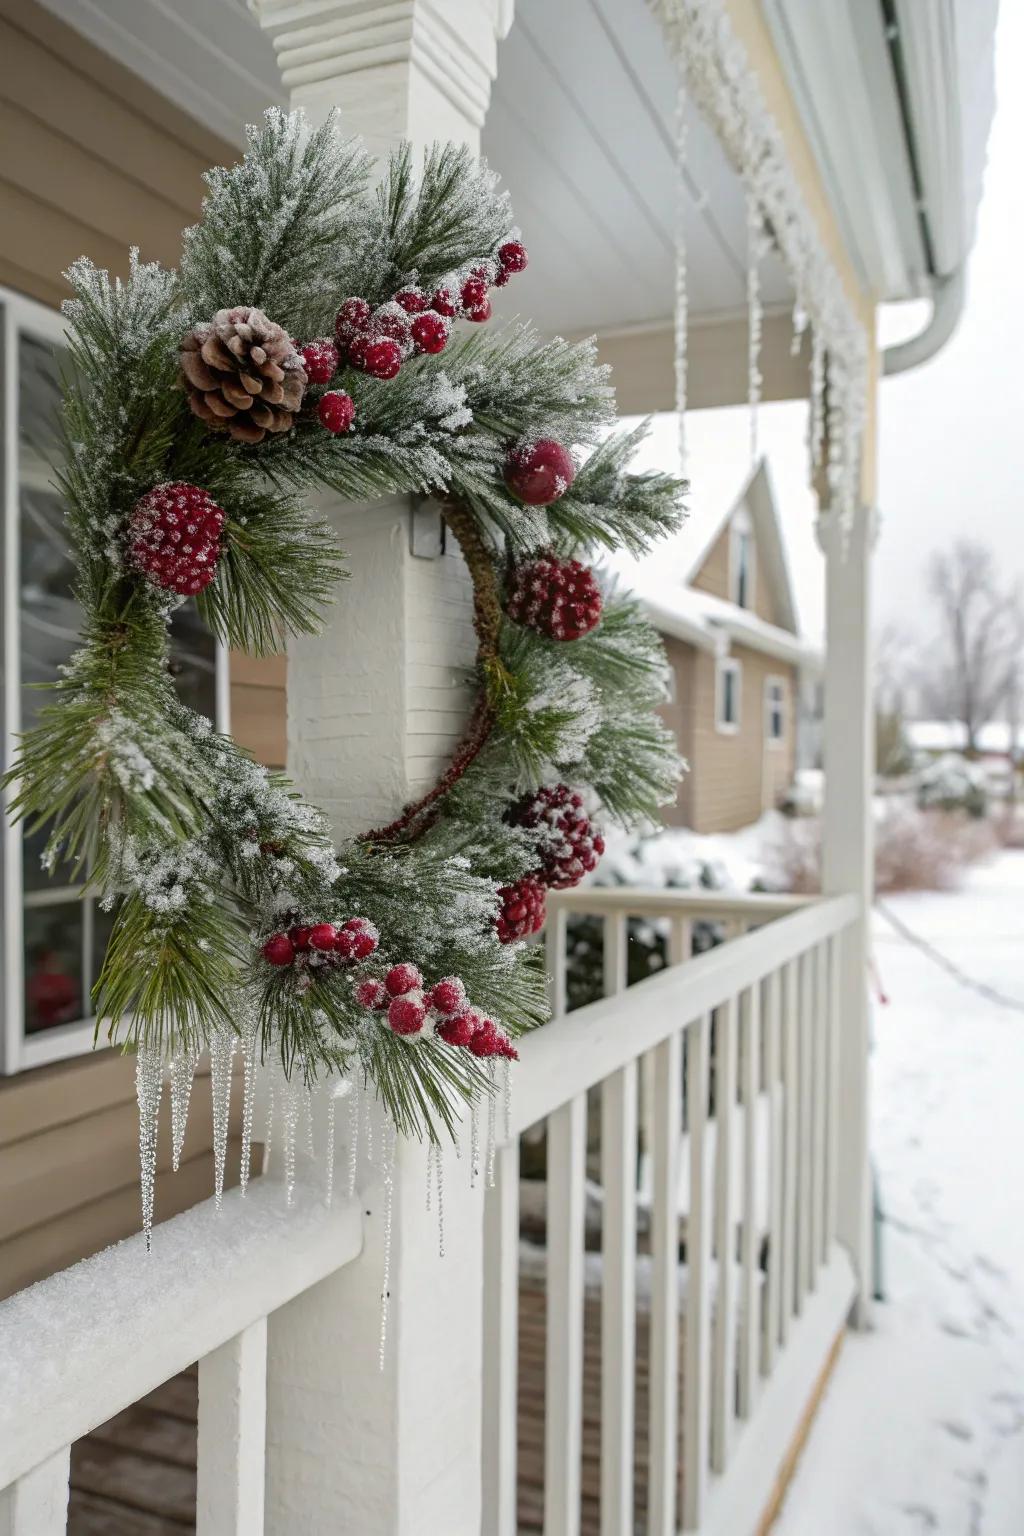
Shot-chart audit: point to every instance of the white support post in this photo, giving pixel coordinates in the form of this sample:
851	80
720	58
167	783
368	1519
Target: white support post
848	856
375	705
232	1435
37	1504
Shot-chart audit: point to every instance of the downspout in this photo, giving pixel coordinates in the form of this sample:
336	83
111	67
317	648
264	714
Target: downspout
948	296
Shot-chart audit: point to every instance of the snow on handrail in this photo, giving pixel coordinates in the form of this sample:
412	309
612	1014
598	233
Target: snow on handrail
82	1345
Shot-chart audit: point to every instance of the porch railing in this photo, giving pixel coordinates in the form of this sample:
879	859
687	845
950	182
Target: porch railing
737	1050
85	1344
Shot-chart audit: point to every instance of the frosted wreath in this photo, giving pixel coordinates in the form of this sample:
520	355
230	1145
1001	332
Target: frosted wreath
323	333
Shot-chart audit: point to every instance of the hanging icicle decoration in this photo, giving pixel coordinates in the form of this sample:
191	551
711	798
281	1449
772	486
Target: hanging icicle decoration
506	1100
340	1090
390	1144
492	1125
474	1144
290	1092
222	1050
355	1113
755	316
816	425
250	1035
182	1070
268	1135
682	307
149	1082
439	1177
307	1098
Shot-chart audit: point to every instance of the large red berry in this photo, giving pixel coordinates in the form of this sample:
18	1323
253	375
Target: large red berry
444	302
568	844
459	1029
336	411
506	1048
354	315
412	300
447	996
473	292
320	360
371	993
380	357
174	537
322	936
279	949
357	939
403	978
485	1039
512	256
429	332
523	908
391	320
406	1015
558	598
539	472
299	937
479	312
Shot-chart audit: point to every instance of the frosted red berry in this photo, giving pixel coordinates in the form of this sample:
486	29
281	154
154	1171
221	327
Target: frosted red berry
279	949
412	300
336	411
322	936
429	332
371	993
473	292
360	936
380	357
506	1048
522	910
320	360
459	1029
502	277
479	312
391	320
447	996
539	472
568	844
558	598
354	315
406	1015
403	978
485	1039
512	256
444	302
299	936
174	537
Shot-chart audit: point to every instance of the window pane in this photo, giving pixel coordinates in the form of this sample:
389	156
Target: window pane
54	993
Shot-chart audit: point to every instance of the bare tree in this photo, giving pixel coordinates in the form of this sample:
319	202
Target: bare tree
971	670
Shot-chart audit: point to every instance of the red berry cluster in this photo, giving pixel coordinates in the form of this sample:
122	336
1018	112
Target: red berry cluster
174	537
410	1007
558	598
568	843
539	471
355	939
523	909
378	341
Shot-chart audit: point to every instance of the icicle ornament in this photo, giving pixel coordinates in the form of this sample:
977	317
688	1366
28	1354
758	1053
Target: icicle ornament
250	1042
390	1145
222	1051
755	317
149	1082
682	303
182	1070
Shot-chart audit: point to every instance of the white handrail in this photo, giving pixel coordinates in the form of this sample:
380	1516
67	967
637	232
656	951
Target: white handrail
82	1345
658	901
577	1052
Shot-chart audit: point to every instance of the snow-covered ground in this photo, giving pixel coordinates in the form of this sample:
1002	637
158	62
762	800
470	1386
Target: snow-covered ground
922	1427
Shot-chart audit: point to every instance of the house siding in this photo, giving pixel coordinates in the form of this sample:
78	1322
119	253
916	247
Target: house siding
737	775
713	578
95	162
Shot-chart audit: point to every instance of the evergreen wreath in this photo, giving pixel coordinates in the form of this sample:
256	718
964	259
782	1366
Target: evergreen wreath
193	421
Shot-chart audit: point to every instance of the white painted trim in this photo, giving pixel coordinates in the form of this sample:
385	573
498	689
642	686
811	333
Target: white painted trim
730	665
210	1275
741	528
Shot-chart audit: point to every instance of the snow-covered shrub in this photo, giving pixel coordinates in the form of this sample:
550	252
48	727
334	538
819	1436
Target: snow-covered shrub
951	783
805	796
914	851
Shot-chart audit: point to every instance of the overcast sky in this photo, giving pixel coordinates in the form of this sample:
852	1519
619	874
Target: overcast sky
951	446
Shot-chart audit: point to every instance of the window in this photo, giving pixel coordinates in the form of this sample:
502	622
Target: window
775	711
741	560
727	703
53	938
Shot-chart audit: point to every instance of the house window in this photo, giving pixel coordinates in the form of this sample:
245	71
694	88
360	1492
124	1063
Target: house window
53	937
741	561
729	682
775	711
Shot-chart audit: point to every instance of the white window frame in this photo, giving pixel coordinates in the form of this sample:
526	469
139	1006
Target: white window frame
734	668
741	532
776	680
18	1051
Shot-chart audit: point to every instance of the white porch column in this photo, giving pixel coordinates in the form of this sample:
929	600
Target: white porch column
848	853
375	706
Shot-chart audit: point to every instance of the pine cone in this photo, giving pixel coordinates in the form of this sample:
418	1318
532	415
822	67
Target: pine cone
242	374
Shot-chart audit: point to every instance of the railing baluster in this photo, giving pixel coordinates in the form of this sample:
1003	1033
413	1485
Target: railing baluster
664	1337
37	1504
501	1332
563	1390
554	957
616	937
750	1315
773	1085
820	1063
803	1268
232	1436
723	1381
618	1299
832	1112
697	1353
791	1111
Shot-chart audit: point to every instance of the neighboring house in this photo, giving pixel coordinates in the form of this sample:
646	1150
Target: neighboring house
740	666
